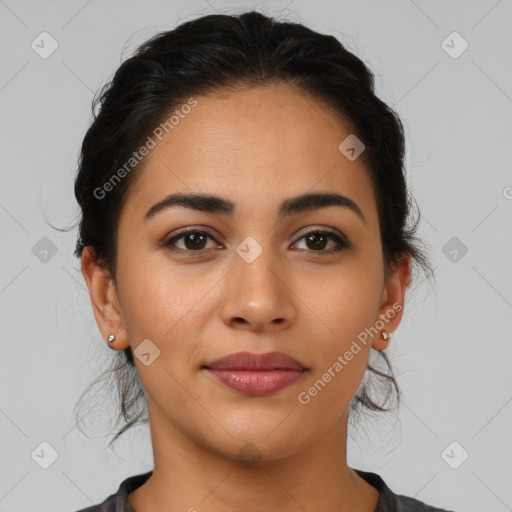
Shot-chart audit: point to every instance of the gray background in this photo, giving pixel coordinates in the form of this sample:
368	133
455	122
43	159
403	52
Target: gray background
453	350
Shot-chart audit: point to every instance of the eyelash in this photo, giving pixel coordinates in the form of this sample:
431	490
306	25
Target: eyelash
342	244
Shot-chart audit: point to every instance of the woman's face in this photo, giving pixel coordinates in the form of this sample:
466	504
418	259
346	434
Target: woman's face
259	283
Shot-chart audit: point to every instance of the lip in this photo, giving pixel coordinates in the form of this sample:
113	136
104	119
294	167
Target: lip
256	374
251	361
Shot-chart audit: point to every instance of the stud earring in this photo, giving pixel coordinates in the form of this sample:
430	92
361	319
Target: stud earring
111	338
386	335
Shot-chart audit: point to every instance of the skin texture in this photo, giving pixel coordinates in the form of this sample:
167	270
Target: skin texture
256	147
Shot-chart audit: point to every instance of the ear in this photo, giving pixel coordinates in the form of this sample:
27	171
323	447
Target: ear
105	302
392	301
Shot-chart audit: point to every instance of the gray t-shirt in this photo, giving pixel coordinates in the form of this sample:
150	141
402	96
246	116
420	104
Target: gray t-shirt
388	500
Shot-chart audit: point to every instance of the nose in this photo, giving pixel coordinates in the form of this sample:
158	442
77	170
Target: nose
257	295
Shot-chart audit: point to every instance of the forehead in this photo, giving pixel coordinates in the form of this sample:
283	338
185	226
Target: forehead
255	146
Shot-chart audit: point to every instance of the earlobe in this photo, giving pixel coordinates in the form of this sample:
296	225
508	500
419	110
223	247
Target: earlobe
382	340
105	303
392	305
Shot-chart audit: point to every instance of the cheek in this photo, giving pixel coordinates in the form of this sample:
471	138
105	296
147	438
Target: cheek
159	300
348	304
169	306
349	307
348	300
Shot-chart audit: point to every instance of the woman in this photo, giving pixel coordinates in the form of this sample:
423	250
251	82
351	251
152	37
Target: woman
245	242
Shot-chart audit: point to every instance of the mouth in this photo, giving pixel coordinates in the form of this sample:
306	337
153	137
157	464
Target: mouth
256	374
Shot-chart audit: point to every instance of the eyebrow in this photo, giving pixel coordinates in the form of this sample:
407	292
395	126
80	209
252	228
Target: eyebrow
291	206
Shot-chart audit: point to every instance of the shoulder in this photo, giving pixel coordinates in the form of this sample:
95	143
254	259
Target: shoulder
407	504
109	505
391	502
118	502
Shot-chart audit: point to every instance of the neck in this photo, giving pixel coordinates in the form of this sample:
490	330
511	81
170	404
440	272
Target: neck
189	476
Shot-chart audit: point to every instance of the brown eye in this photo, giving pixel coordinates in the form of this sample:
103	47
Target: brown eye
193	240
317	241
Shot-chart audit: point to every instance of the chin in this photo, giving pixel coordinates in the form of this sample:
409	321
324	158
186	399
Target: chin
257	443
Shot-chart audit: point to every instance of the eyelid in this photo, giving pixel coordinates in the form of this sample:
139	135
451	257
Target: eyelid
319	228
189	229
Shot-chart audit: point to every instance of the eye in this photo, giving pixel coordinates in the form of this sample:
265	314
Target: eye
194	240
318	239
